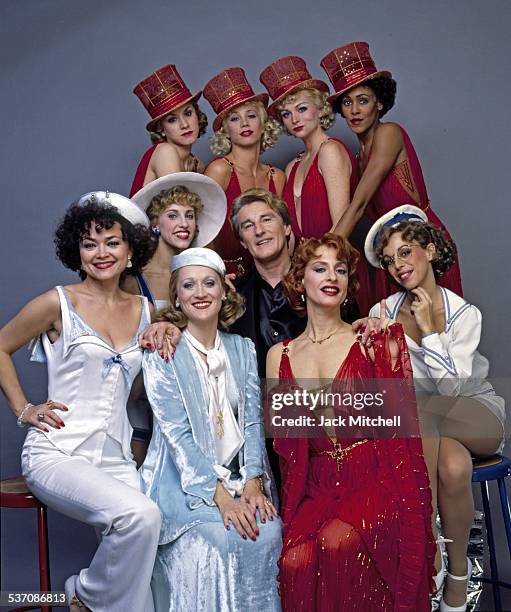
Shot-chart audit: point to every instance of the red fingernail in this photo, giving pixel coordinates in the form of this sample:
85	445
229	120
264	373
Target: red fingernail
166	359
149	346
46	430
257	532
161	355
227	527
254	538
244	536
264	520
172	355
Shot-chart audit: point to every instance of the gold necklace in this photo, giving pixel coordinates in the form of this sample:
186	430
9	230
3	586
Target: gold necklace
323	339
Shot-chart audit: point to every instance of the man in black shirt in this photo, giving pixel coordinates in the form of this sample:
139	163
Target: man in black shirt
261	221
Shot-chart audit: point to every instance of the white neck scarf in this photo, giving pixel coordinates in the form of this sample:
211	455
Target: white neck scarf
226	432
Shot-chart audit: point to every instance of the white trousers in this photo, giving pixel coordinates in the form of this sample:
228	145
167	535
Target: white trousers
103	493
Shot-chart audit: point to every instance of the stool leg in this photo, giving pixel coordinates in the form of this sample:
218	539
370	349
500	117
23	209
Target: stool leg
491	545
44	557
506	513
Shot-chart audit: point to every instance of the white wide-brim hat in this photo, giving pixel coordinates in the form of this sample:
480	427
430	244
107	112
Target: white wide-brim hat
212	216
406	212
126	207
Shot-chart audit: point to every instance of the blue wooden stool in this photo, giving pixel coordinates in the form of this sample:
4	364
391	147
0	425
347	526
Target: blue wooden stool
495	468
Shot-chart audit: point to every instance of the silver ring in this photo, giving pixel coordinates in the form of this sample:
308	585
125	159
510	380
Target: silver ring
40	417
267	502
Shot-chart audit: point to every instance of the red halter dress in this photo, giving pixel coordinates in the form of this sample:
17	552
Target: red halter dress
316	219
236	258
403	179
357	533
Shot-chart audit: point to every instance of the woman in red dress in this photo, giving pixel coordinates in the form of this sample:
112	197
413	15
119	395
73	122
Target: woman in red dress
242	131
389	170
176	123
322	179
356	509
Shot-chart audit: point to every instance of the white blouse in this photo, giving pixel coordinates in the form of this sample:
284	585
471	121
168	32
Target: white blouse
448	363
91	378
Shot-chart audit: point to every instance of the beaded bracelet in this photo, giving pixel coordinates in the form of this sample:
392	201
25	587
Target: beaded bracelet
19	421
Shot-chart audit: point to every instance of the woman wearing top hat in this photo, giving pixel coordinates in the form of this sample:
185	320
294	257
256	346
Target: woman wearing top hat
243	131
176	123
389	170
460	413
322	179
76	456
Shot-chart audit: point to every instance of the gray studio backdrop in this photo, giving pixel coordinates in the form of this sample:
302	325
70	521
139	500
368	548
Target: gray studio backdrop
71	124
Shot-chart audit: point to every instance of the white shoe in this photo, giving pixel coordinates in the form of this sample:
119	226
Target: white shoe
440	576
447	608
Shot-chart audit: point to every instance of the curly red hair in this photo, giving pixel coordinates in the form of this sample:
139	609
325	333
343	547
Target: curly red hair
307	250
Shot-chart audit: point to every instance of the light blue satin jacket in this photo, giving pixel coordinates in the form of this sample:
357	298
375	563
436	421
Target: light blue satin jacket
178	471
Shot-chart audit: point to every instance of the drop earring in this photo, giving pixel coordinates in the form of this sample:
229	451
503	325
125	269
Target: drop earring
177	303
156	231
129	263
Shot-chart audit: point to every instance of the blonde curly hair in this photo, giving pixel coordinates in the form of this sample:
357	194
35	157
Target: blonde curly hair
233	306
220	143
320	101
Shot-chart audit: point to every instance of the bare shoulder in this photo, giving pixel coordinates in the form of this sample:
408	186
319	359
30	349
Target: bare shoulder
389	131
165	150
220	171
37	316
332	151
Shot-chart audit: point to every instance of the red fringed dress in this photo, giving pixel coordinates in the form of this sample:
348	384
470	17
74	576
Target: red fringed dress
403	179
316	219
358	537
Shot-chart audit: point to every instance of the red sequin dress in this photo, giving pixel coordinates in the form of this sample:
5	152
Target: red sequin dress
404	179
237	259
138	181
357	537
316	219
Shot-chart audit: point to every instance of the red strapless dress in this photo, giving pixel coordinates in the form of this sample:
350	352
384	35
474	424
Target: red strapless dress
357	537
138	181
316	219
237	259
392	193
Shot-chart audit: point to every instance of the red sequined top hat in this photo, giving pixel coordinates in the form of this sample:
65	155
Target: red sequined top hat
163	91
228	89
349	66
285	75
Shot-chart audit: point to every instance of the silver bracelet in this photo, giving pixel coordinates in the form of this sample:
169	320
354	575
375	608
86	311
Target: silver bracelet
20	422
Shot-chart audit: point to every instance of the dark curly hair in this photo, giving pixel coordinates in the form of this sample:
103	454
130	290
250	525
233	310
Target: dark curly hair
383	88
307	250
156	135
76	224
423	234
